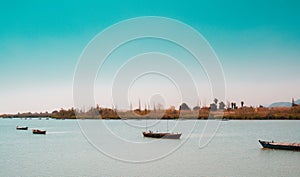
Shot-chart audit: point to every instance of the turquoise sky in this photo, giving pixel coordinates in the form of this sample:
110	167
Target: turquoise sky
257	42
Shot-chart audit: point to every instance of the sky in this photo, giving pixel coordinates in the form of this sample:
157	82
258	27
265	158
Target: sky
257	44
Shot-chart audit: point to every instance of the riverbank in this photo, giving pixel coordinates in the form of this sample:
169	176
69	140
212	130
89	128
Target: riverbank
244	113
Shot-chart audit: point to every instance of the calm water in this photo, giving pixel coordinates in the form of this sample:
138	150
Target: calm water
117	148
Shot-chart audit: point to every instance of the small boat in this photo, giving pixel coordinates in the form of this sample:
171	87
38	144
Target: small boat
37	131
280	145
164	135
22	128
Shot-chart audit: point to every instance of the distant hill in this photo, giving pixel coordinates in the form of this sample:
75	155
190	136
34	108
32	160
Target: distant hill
283	104
280	104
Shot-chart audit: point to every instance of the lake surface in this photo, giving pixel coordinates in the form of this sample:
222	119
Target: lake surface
117	148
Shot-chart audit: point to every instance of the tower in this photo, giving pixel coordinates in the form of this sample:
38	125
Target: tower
130	107
293	102
139	105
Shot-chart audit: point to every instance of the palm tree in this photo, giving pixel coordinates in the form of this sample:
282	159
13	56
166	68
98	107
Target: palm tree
216	100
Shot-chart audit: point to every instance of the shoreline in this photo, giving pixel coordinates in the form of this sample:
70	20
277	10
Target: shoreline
136	118
204	113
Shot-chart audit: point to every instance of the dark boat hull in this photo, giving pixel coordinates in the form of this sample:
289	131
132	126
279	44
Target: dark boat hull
21	128
282	146
36	131
162	135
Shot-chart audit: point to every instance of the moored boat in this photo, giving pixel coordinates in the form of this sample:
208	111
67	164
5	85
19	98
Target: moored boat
22	128
165	135
280	145
37	131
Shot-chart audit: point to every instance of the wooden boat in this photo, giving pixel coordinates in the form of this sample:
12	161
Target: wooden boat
280	145
165	135
37	131
22	128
